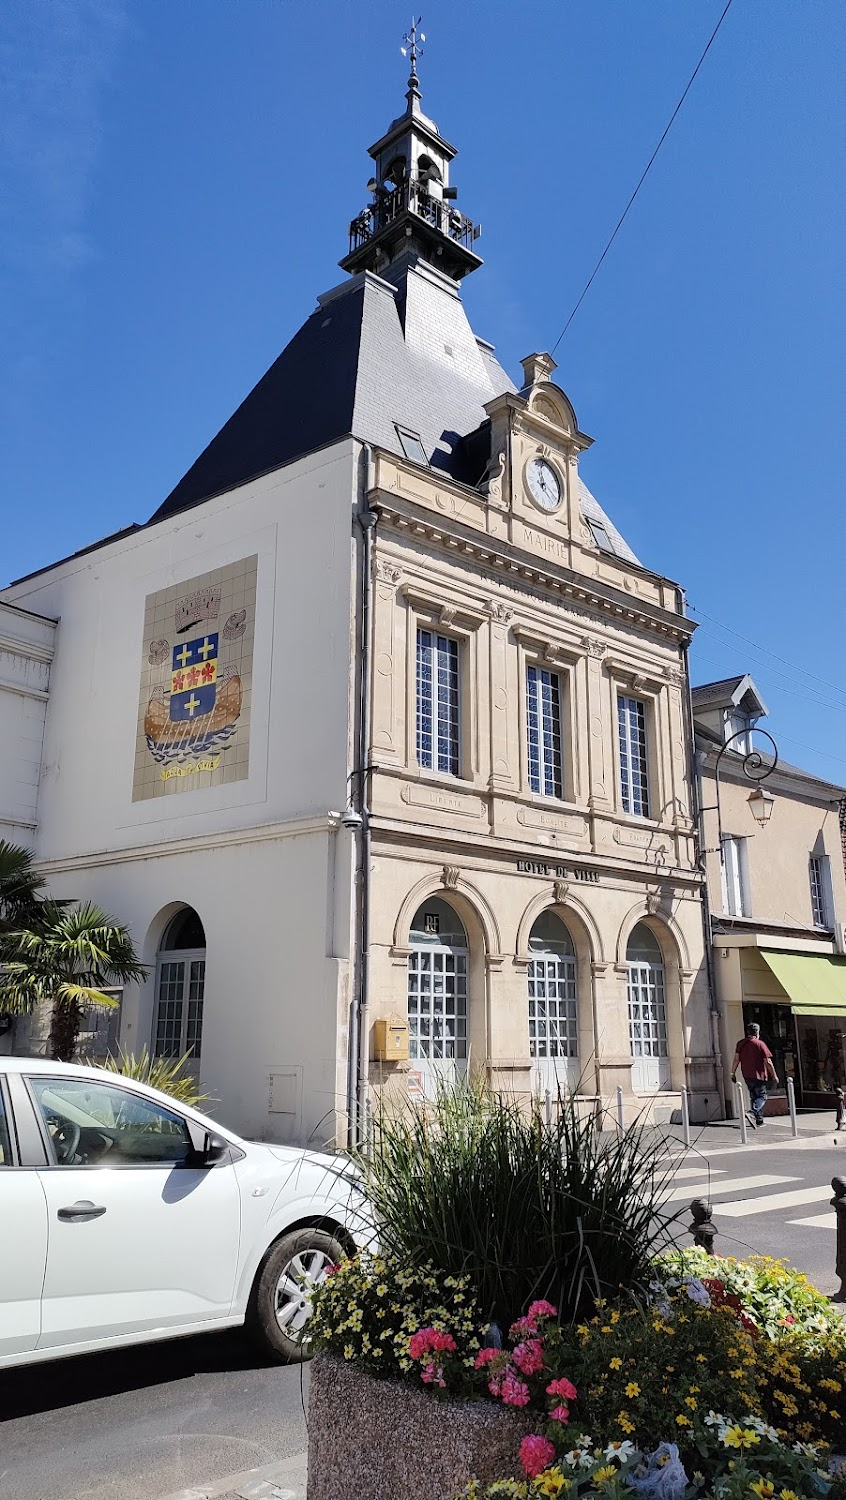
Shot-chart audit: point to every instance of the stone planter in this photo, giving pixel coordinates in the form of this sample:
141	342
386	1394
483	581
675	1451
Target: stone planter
381	1440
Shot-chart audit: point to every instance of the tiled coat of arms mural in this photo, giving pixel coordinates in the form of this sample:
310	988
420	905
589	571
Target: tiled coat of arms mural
196	683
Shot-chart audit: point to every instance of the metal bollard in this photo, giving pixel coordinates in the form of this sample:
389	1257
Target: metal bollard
685	1114
838	1203
702	1229
791	1104
741	1112
620	1125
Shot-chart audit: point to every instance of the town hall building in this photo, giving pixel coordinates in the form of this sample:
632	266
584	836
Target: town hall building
391	776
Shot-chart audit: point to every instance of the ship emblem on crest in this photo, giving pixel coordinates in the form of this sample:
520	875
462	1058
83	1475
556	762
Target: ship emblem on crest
194	710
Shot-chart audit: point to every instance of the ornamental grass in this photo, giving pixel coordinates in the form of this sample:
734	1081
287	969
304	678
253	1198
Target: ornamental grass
475	1185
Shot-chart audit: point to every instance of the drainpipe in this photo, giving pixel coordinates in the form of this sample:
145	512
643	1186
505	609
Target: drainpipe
699	844
359	1051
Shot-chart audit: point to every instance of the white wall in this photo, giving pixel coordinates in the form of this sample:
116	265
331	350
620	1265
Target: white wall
298	521
26	651
257	858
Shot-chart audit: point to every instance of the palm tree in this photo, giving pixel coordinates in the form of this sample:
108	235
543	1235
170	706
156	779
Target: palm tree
20	888
68	958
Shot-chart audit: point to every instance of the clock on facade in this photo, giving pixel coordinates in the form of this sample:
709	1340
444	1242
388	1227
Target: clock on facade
544	484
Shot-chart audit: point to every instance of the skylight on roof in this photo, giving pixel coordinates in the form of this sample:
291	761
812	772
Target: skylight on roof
600	536
411	445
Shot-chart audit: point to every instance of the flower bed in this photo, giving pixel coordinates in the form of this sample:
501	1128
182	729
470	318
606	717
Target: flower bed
689	1377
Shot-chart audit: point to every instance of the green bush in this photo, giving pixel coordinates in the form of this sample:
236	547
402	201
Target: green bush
168	1074
475	1186
771	1292
368	1310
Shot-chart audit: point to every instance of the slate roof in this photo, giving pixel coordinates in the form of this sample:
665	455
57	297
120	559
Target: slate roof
716	692
368	358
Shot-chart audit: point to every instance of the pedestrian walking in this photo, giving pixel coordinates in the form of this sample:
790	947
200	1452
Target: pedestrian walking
755	1061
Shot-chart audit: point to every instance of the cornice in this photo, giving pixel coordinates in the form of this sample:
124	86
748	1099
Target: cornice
198	843
489	553
28	650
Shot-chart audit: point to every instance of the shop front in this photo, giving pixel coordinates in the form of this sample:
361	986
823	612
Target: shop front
802	1019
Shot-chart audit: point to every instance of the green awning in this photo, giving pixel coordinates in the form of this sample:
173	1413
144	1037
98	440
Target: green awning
815	983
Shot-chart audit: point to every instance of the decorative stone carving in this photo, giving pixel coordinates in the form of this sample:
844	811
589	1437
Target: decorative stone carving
500	612
594	648
386	572
675	675
638	683
552	653
560	891
537	368
447	614
495	476
653	903
450	876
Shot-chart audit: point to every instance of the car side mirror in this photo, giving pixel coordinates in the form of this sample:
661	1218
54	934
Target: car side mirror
213	1150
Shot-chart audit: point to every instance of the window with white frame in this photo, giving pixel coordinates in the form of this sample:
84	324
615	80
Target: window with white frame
738	723
735	879
543	727
180	988
438	687
819	876
634	767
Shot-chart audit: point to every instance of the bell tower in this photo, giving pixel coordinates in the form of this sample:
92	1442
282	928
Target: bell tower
412	206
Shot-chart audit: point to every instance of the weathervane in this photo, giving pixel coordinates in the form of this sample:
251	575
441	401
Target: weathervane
413	48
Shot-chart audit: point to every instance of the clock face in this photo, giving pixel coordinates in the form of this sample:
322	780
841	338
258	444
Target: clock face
544	484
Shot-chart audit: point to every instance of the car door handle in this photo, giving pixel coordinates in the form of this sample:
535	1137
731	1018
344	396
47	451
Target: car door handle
81	1210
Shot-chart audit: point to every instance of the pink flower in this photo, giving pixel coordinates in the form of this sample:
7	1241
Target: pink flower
528	1357
536	1454
562	1387
789	1318
485	1356
541	1310
559	1414
514	1392
433	1374
430	1340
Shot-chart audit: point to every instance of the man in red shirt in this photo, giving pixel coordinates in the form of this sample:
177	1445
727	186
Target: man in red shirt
755	1061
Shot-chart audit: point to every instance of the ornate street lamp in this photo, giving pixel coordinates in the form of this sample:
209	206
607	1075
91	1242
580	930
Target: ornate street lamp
756	769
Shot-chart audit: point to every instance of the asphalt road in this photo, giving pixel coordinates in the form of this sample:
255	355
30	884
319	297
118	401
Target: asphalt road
189	1415
204	1417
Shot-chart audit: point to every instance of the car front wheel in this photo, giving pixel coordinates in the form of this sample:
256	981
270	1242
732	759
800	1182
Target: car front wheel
281	1303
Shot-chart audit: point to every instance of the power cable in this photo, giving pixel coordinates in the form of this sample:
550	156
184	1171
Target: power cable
781	688
765	651
643	176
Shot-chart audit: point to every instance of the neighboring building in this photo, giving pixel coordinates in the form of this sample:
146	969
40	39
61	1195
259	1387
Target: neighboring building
777	898
384	582
27	643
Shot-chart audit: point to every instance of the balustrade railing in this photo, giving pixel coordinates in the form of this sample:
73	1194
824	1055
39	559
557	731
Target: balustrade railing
388	203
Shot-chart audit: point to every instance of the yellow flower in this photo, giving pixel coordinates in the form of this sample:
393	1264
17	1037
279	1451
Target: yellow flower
632	1389
603	1475
615	1317
787	1495
605	1329
763	1488
625	1422
552	1482
740	1437
700	1359
691	1402
348	1351
682	1420
616	1364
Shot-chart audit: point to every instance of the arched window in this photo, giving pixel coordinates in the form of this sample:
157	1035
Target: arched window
553	1017
553	1005
437	991
180	985
647	1011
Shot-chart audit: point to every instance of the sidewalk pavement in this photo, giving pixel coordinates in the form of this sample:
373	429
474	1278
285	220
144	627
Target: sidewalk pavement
284	1480
718	1134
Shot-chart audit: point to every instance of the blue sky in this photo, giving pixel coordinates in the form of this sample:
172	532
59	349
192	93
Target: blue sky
176	178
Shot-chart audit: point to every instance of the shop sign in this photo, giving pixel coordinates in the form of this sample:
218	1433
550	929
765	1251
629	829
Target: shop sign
557	872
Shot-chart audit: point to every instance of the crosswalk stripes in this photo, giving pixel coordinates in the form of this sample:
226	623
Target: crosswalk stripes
696	1171
817	1221
729	1185
743	1207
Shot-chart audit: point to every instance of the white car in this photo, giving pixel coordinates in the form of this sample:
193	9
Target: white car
128	1217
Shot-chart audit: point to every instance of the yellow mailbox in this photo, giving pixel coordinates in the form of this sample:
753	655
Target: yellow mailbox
390	1040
